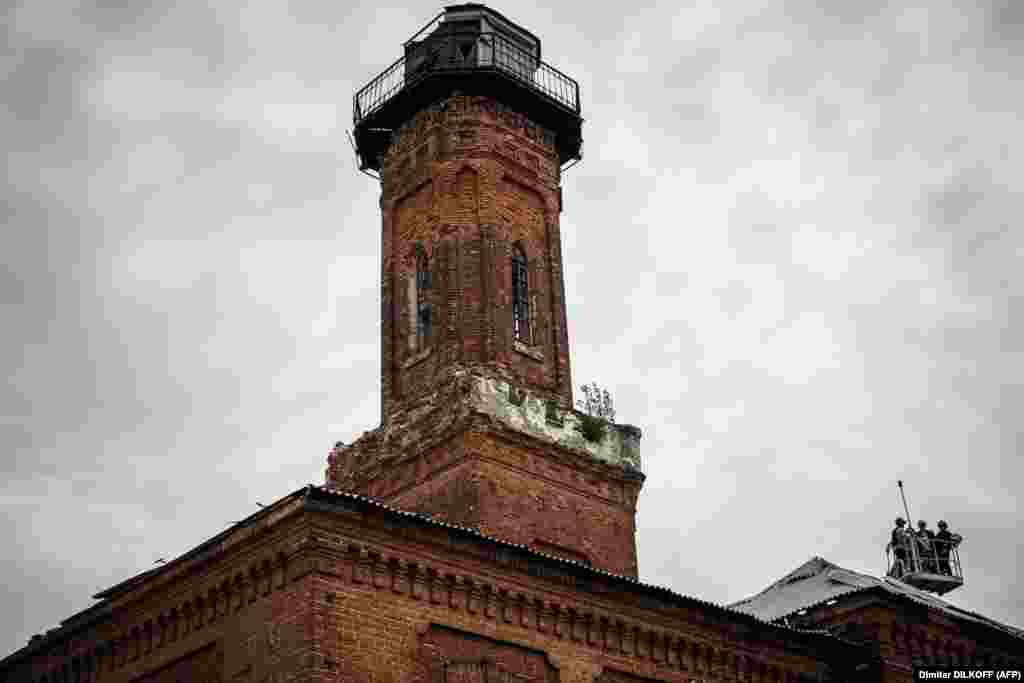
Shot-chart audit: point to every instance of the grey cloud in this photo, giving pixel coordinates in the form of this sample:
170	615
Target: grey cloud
47	80
957	199
1005	21
115	18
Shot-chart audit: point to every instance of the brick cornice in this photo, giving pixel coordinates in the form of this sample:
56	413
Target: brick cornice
521	590
401	536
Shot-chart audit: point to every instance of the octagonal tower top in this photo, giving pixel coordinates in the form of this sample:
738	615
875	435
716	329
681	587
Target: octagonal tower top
472	49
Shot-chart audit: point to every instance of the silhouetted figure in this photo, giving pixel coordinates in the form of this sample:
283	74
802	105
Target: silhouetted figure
900	543
944	544
926	547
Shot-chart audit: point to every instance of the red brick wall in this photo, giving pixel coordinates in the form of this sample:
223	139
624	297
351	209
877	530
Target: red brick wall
533	499
449	654
467	179
568	520
205	665
452	494
399	612
514	487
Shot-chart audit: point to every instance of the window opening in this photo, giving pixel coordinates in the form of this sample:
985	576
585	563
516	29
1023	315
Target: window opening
422	297
520	296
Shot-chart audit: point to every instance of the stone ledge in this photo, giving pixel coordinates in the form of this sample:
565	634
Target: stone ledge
462	395
533	415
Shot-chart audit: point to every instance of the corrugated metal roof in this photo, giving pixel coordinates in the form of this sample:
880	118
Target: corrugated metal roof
818	581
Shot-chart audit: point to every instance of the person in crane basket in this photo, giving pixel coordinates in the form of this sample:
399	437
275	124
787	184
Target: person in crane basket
900	542
944	543
926	547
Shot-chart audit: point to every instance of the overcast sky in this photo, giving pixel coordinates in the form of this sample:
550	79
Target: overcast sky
792	254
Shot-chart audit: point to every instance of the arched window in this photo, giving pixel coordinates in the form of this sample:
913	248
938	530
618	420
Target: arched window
422	297
520	296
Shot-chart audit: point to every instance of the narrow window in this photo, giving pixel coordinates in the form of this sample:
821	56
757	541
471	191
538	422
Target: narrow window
422	297
520	296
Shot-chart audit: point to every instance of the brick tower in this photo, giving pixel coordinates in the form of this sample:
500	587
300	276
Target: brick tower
469	132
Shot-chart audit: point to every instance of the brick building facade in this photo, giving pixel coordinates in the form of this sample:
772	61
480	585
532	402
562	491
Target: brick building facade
479	533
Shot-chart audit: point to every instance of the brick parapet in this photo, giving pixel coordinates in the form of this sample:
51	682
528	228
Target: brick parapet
479	391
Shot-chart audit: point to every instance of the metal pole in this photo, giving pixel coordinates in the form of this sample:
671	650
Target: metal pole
910	524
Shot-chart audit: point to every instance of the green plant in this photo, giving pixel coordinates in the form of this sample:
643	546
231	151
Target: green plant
596	412
592	428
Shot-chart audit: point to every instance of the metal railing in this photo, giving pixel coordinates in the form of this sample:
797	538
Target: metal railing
465	51
931	557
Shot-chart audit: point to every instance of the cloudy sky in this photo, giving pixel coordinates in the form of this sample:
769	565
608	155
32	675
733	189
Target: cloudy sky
790	254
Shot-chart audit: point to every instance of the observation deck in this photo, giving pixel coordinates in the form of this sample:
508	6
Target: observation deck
473	50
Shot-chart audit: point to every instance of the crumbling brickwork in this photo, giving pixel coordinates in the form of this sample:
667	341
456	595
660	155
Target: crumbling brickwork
483	453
